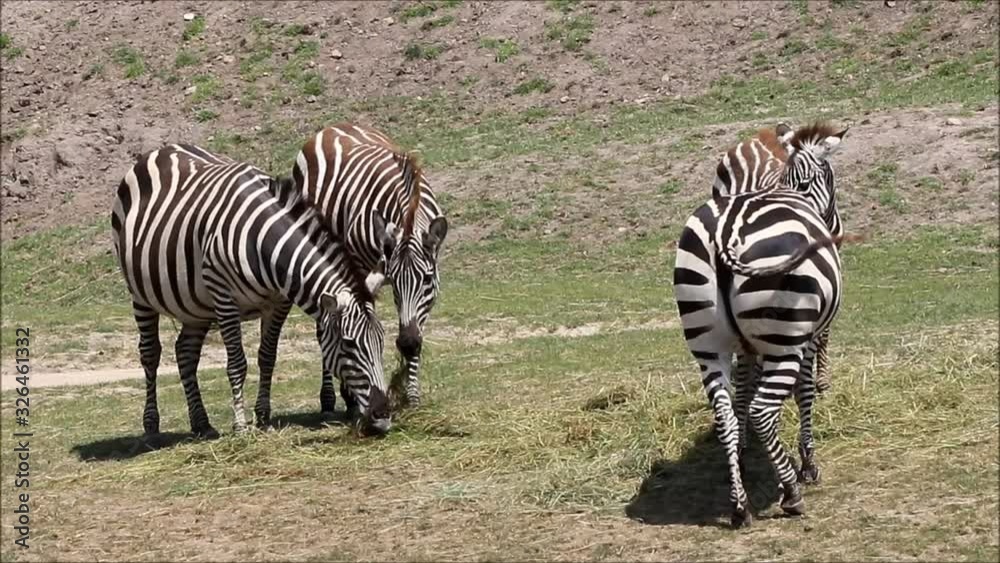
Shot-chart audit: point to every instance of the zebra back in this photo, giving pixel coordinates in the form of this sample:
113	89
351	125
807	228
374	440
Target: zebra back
753	164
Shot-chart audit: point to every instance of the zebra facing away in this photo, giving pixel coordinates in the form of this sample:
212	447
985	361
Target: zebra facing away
759	273
756	164
377	199
210	241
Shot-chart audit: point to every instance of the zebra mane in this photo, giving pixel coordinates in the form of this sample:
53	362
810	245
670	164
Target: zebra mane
412	177
812	134
290	197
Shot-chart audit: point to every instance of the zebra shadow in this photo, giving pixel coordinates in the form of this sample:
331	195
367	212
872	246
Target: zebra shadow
128	447
694	490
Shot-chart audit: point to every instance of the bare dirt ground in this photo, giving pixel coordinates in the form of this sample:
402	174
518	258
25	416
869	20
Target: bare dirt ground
69	130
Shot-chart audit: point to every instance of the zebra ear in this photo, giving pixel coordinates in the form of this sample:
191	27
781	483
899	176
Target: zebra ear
832	143
434	237
333	304
385	234
785	134
376	278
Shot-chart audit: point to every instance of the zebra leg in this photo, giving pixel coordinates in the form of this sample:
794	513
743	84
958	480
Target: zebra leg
715	372
267	355
805	395
413	381
228	315
148	322
822	378
743	384
353	411
778	380
327	393
187	349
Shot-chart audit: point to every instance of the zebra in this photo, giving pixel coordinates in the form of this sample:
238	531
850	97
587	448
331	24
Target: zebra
378	199
756	164
210	241
759	273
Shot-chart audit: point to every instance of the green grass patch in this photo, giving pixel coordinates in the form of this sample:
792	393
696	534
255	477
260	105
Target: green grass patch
503	49
72	24
539	85
206	88
185	59
193	28
204	115
418	10
616	421
572	31
437	22
130	59
418	51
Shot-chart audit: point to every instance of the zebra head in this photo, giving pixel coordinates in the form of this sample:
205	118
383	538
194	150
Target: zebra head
412	270
353	340
808	169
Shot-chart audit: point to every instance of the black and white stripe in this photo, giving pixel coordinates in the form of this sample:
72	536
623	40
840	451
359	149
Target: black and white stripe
378	199
759	274
756	164
210	241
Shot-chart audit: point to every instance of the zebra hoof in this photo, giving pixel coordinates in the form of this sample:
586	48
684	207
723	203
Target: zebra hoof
792	502
741	518
809	474
327	415
262	419
206	432
151	428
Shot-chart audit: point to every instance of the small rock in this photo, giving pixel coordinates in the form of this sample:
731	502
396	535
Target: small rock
389	21
351	69
780	71
563	99
665	78
189	16
24	102
228	59
312	64
336	54
311	99
190	90
953	121
622	229
257	128
93	113
739	23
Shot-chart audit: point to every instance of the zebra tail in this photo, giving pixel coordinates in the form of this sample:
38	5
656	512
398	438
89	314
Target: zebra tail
801	254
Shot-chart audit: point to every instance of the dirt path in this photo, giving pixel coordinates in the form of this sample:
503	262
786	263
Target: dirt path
84	377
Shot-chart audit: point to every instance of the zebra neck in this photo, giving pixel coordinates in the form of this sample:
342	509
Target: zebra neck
318	271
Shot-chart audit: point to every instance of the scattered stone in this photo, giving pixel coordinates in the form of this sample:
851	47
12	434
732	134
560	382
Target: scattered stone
257	127
24	102
93	113
954	121
228	59
190	90
336	54
311	99
739	23
389	21
189	16
563	99
665	78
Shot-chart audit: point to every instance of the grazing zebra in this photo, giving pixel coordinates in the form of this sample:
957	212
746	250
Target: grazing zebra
210	241
376	197
755	165
759	273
